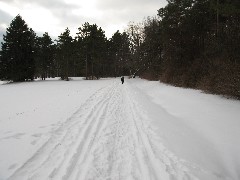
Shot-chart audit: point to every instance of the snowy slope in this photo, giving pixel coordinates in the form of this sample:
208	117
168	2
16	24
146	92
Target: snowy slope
31	111
105	130
200	128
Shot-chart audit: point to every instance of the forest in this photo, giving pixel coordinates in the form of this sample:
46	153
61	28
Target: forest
189	43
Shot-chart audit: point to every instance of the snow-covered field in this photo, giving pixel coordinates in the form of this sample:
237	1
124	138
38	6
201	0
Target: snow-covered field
105	130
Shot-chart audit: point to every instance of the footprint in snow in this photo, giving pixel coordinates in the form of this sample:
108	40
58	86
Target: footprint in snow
41	127
33	142
13	166
16	136
37	135
8	132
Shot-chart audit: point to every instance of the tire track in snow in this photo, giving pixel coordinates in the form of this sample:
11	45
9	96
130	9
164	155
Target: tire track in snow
155	160
62	148
108	137
98	118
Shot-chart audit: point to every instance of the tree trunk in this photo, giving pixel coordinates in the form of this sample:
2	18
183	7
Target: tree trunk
86	68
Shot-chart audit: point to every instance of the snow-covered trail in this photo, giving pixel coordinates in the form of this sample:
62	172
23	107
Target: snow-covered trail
109	137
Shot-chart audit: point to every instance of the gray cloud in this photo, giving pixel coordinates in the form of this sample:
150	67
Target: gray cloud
129	4
49	4
124	11
115	13
1	37
5	17
54	4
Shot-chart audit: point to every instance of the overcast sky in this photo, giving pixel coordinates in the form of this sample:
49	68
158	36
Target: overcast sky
53	16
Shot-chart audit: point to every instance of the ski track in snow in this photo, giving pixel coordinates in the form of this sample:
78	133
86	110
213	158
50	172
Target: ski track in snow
109	137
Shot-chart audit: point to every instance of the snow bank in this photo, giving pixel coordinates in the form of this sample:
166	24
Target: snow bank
201	128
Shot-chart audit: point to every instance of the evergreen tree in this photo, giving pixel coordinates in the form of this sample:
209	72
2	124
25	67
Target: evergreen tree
94	49
120	53
65	53
152	48
45	56
1	67
200	42
116	48
17	56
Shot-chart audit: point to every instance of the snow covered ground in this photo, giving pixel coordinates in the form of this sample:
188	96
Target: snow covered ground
105	130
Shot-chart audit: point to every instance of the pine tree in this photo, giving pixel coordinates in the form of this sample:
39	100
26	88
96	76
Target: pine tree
1	67
45	56
152	48
94	49
120	51
65	55
17	57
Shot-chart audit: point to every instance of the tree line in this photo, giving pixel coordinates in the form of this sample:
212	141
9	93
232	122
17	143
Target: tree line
189	43
201	45
193	44
25	56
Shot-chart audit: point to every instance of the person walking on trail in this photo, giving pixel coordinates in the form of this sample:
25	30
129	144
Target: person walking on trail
122	79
